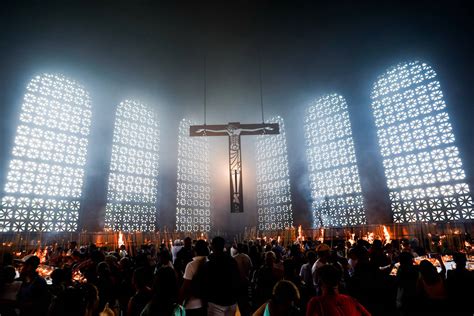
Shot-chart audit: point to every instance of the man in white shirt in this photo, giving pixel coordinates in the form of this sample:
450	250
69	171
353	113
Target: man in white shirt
306	274
177	245
323	252
189	292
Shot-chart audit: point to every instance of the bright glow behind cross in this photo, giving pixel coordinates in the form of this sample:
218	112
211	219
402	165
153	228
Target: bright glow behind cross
273	180
133	175
45	177
422	165
333	173
193	211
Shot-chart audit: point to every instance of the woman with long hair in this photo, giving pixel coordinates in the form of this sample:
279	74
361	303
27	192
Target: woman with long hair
165	295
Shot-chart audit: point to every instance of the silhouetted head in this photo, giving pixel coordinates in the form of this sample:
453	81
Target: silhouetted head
377	244
242	248
311	256
201	248
323	251
218	244
58	276
139	278
330	276
270	258
9	274
460	259
103	269
285	294
428	272
165	256
29	265
406	259
188	242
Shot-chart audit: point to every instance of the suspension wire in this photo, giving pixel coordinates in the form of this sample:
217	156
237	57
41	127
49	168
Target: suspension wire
259	25
261	85
205	91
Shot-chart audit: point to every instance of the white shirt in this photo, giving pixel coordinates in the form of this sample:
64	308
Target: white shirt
318	264
306	274
189	273
174	251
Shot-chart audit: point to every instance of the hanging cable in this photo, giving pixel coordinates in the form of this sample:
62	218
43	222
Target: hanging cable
205	90
259	48
261	88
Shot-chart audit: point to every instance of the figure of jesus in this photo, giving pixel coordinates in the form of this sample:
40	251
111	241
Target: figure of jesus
234	130
231	130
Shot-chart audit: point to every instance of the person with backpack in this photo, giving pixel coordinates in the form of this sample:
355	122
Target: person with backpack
191	292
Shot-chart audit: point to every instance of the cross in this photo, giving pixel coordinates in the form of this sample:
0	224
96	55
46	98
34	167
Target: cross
234	130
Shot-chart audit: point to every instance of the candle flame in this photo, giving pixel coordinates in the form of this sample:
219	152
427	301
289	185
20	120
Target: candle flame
386	235
352	239
120	240
300	237
370	237
41	254
78	276
45	271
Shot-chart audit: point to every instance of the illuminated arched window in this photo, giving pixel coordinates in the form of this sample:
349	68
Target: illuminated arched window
333	172
193	207
131	198
422	165
273	180
44	182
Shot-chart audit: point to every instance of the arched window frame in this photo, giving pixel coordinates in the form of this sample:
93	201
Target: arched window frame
133	179
44	183
274	204
422	165
333	173
193	190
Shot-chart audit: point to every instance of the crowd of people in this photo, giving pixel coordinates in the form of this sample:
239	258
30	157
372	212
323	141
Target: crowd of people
247	278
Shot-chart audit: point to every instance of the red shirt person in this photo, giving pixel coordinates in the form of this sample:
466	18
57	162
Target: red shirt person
331	303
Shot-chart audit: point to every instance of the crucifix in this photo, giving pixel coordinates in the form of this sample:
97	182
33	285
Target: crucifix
234	130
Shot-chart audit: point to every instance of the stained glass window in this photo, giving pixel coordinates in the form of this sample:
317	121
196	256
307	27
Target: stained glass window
273	181
193	208
333	172
45	177
132	190
422	164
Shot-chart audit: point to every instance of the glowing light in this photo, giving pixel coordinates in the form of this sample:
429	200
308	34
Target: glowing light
321	235
273	181
333	173
352	239
45	177
120	240
132	191
370	237
386	235
422	165
300	237
193	206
